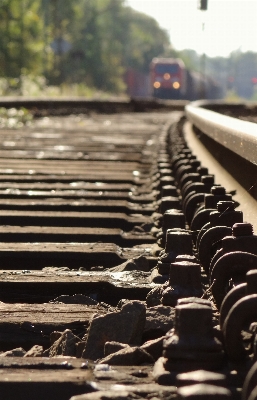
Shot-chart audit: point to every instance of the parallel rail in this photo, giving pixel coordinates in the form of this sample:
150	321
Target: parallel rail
227	145
236	135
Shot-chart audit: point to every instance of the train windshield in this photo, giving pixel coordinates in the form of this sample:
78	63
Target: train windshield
166	68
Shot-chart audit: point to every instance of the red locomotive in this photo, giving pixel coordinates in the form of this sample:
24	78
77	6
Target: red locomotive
168	78
171	80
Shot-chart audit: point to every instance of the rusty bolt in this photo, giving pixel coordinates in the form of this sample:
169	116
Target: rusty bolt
191	345
186	257
171	219
178	242
168	202
203	391
242	229
201	376
202	171
169	190
184	281
185	273
197	300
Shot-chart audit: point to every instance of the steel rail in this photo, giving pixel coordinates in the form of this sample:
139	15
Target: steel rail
237	135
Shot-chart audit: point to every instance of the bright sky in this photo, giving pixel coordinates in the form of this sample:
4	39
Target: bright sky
229	24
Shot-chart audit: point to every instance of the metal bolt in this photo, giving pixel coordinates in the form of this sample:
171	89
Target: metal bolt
178	242
186	257
201	376
184	281
185	273
194	321
191	345
203	392
218	190
173	218
165	172
242	229
167	203
251	280
208	179
162	164
202	171
195	164
166	180
224	206
169	190
197	300
218	193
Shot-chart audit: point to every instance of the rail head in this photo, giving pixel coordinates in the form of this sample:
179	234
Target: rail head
237	135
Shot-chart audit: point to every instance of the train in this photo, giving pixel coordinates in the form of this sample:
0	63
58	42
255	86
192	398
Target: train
168	78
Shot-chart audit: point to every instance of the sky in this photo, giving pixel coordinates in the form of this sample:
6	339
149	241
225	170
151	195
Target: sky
228	24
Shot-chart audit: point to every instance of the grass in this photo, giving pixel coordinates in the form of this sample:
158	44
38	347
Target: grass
13	118
29	86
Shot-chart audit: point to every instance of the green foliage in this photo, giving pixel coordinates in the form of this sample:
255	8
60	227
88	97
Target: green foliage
146	40
191	59
20	26
13	118
85	44
88	42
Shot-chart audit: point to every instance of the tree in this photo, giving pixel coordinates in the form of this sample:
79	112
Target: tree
146	40
20	37
88	41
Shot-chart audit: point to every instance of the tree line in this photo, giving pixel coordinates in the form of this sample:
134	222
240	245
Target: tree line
94	42
88	41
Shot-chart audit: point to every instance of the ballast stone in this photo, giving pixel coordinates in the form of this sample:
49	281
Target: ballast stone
65	345
159	319
18	352
35	351
125	326
128	356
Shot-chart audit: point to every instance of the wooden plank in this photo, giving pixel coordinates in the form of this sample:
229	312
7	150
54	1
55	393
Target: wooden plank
43	286
61	378
41	378
70	166
71	156
57	204
12	193
25	325
72	255
31	176
92	186
9	233
72	219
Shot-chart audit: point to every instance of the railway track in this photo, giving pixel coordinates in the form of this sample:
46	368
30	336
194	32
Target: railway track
113	232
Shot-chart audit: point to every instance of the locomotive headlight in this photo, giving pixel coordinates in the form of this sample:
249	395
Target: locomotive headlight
176	85
156	85
166	76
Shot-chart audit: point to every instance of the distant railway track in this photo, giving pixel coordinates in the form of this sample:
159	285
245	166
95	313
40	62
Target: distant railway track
66	106
113	230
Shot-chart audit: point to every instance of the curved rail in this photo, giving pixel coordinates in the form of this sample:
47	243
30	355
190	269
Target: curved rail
236	135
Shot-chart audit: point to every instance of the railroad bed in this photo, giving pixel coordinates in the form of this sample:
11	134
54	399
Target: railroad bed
125	262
